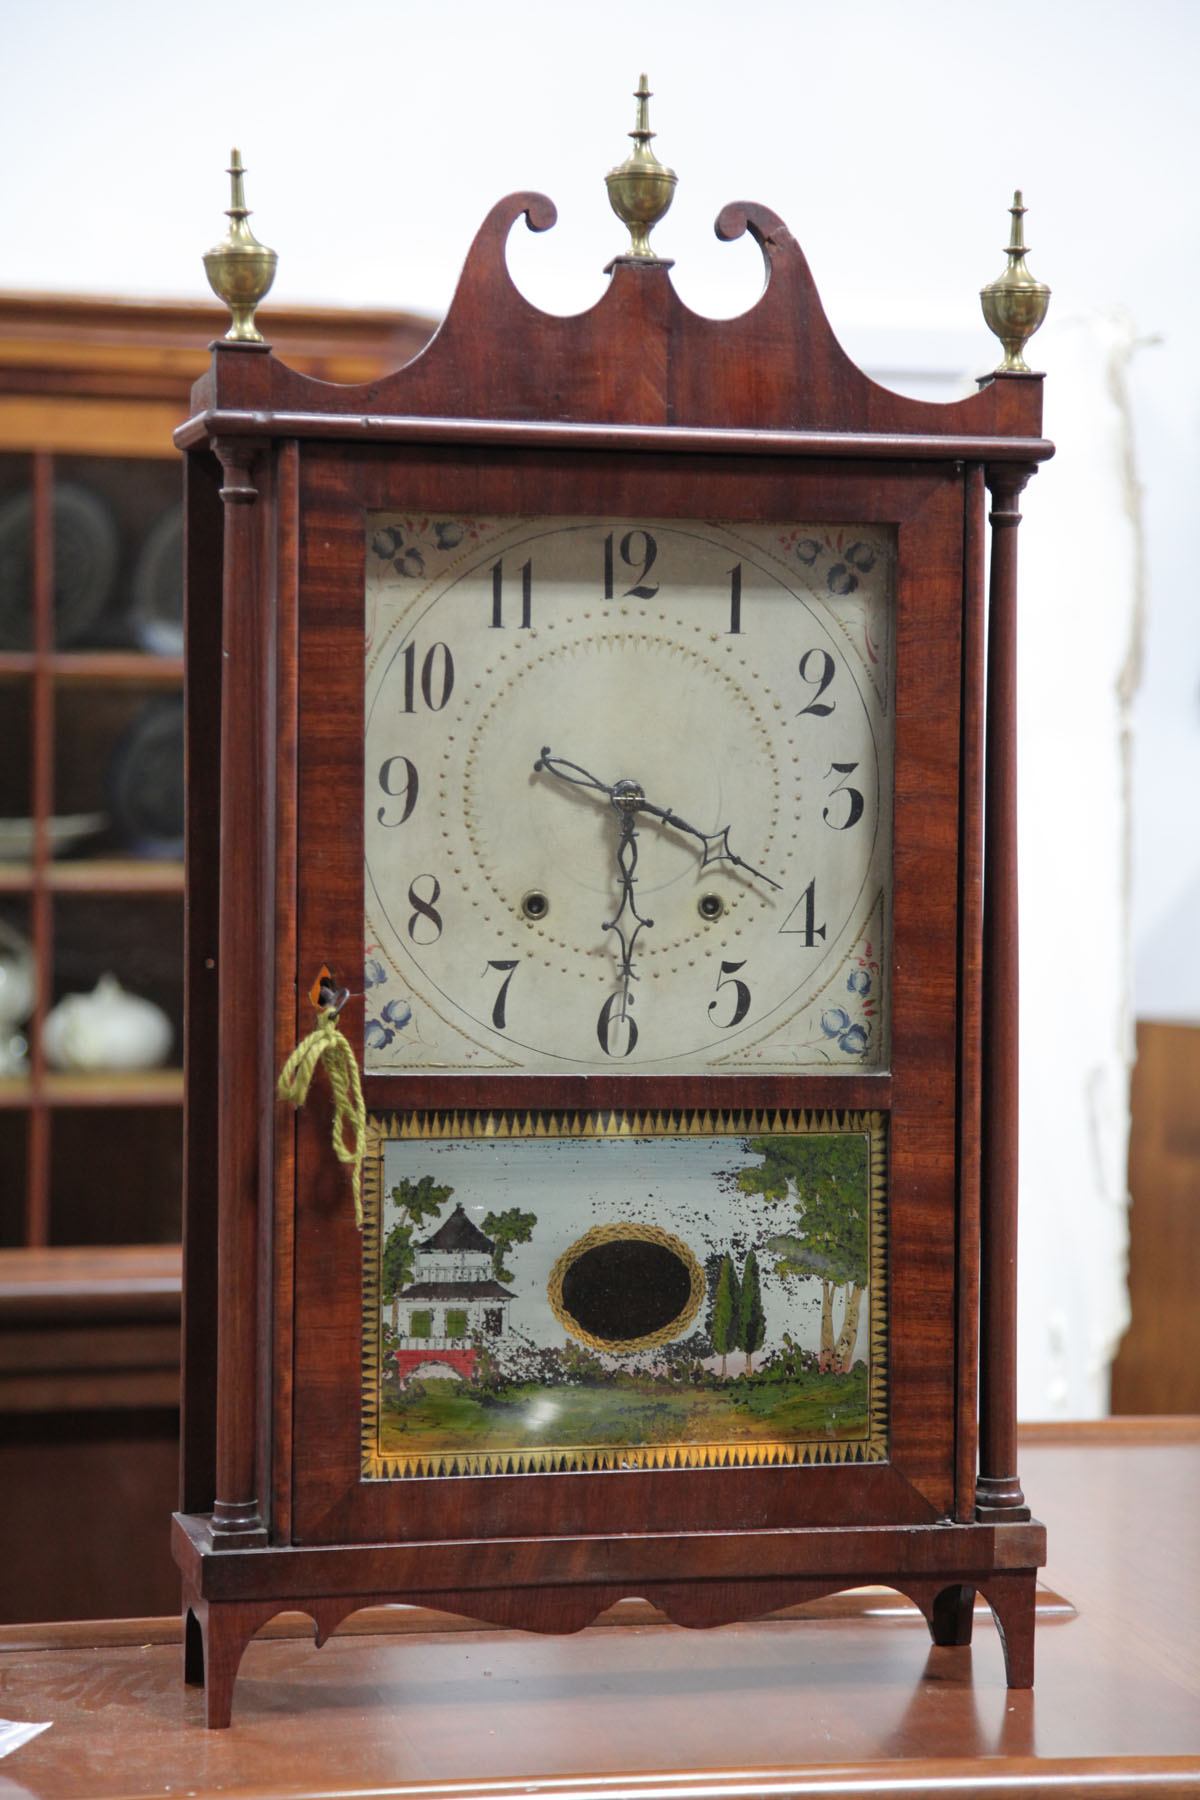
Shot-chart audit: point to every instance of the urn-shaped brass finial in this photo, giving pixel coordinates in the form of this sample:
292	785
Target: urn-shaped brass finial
640	189
240	270
1014	305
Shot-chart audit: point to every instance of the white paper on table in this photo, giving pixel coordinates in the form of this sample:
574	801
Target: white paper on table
14	1733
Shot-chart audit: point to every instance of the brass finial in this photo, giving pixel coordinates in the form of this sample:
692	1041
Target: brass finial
240	270
640	189
1014	305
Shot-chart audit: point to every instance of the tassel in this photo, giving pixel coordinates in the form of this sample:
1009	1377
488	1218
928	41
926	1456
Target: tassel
327	1044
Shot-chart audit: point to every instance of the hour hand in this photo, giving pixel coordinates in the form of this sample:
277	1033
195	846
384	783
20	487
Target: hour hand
569	771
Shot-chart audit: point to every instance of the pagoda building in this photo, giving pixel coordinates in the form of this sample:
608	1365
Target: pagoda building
452	1302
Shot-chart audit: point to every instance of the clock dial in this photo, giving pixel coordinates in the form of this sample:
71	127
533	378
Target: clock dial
627	793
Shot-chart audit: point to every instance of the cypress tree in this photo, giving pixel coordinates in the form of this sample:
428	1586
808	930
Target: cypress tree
724	1313
751	1320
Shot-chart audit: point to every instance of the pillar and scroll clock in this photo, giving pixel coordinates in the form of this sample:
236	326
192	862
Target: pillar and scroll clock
597	707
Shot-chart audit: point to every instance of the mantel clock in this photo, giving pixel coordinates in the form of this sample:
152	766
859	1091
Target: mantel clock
588	725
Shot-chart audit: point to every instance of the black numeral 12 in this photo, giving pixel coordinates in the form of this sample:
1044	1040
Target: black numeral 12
639	553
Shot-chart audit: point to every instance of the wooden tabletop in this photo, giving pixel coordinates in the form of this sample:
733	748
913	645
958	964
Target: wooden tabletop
842	1697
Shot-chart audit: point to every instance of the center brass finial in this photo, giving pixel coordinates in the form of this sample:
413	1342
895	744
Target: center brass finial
641	189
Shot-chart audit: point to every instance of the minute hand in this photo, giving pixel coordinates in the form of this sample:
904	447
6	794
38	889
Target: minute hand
716	843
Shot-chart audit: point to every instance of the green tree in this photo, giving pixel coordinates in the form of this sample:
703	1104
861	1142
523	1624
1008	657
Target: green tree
506	1229
581	1364
751	1320
486	1373
826	1177
724	1312
416	1201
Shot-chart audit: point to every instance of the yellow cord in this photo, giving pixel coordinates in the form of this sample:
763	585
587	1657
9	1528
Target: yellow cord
327	1044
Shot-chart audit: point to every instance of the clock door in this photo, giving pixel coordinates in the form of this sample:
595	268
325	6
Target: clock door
705	1279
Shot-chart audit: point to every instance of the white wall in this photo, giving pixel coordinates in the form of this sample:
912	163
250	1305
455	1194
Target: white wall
890	139
1080	634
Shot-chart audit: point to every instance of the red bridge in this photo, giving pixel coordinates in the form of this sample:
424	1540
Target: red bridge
436	1362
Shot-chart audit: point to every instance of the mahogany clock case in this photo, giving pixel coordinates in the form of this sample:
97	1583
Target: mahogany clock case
635	412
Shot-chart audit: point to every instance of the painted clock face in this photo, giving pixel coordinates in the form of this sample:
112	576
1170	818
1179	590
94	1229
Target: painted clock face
628	795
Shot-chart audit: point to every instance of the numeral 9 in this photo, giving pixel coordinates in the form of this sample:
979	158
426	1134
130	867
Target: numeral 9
406	793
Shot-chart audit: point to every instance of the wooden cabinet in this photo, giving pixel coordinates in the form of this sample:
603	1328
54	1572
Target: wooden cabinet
1157	1367
91	757
90	1163
89	1404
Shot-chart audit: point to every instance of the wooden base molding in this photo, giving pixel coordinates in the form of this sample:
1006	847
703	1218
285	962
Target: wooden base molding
228	1595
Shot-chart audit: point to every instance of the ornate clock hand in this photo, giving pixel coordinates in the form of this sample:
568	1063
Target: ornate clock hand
716	843
627	797
579	777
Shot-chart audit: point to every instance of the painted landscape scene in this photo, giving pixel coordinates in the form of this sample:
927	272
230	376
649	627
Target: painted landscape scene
608	1301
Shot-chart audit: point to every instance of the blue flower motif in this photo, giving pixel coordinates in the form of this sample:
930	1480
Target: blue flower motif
834	1021
389	546
858	981
398	1013
374	973
854	1041
376	1036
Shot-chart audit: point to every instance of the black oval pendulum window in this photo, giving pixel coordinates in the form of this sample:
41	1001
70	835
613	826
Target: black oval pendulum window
626	1287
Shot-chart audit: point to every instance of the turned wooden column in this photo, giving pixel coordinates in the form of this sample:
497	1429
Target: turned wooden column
998	1489
244	901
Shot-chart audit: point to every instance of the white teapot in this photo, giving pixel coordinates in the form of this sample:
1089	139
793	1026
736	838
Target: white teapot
106	1029
16	998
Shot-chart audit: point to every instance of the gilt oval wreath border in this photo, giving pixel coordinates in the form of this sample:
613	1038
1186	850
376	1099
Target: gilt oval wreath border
646	1234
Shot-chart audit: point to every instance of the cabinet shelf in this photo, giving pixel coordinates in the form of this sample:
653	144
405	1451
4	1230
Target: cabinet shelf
102	875
101	668
63	1088
125	1282
133	668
